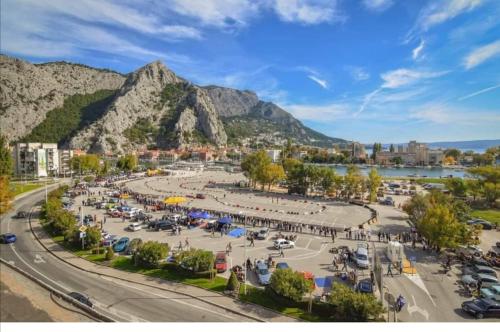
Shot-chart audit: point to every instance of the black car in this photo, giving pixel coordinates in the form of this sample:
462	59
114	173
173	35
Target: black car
21	215
481	308
81	298
141	216
164	225
486	225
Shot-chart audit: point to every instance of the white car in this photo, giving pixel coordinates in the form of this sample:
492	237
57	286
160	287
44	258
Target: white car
285	244
361	258
135	226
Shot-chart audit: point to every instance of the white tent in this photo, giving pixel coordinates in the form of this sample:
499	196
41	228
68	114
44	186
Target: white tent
395	251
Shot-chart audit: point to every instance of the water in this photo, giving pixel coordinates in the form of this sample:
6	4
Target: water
435	172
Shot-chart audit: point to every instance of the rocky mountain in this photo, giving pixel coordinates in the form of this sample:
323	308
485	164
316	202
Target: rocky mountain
103	111
29	91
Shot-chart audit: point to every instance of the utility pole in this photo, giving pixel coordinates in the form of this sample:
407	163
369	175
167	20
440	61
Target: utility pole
245	256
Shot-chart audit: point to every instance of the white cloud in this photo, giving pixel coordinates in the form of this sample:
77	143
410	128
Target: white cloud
479	92
482	54
417	50
366	101
358	73
322	83
402	77
377	5
437	12
330	112
308	11
442	113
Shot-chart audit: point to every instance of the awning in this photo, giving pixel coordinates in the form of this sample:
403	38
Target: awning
174	200
225	221
237	232
205	215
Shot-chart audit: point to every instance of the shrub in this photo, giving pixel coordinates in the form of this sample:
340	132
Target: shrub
351	306
110	254
135	245
290	284
233	283
98	251
196	260
151	253
93	237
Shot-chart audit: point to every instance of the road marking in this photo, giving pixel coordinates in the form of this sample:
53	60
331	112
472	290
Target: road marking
415	308
12	262
417	280
39	259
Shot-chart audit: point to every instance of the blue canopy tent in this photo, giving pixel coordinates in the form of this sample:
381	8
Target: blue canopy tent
194	214
225	221
237	232
205	215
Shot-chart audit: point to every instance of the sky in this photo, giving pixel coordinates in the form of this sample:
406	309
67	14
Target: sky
368	70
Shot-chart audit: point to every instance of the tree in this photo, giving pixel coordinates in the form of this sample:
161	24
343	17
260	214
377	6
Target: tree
127	163
106	168
110	253
232	284
88	163
374	181
6	195
93	237
253	166
327	179
454	153
289	164
151	253
272	174
352	306
488	178
352	181
290	284
449	160
440	227
457	187
6	161
197	260
391	148
397	160
377	147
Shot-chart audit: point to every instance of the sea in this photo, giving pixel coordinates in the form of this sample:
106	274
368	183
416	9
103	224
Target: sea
415	172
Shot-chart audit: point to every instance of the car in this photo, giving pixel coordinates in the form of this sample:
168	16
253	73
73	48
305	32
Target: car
361	258
262	233
485	224
221	262
129	214
481	308
121	245
365	286
200	196
109	241
498	244
8	238
282	266
21	214
141	216
135	226
479	269
492	292
480	261
114	213
473	279
262	272
84	299
164	225
283	244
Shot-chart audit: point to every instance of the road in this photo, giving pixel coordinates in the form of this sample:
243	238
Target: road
120	300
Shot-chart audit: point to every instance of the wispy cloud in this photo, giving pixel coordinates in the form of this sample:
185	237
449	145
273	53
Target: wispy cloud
444	114
322	83
402	77
377	5
418	50
320	113
482	54
479	92
358	73
437	12
308	11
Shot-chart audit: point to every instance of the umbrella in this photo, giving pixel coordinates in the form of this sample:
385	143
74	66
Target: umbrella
237	232
225	221
174	200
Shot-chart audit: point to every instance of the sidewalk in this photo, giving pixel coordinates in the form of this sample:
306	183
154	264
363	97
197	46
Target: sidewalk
241	308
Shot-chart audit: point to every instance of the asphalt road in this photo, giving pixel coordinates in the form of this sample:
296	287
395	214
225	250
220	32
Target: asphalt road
120	300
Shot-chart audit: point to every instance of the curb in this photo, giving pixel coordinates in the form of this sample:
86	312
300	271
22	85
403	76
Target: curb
59	294
157	287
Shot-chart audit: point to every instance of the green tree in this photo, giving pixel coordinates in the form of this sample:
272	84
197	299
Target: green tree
84	164
391	148
289	164
232	284
440	227
374	181
110	254
151	253
254	165
6	194
351	306
105	168
6	161
93	237
397	160
457	187
377	147
327	179
272	174
197	260
352	181
488	178
127	163
6	167
290	284
455	153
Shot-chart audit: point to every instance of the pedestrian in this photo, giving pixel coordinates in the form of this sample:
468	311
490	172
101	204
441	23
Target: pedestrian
400	267
252	242
389	270
282	254
372	277
180	245
186	243
333	238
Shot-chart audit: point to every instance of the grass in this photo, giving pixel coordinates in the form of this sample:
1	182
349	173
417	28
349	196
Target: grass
492	215
20	187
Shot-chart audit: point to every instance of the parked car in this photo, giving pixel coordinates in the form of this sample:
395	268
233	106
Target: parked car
164	225
361	258
114	213
141	216
262	233
498	244
282	266
200	196
492	292
21	214
473	279
481	308
262	272
81	298
109	241
283	244
8	238
121	245
135	226
479	269
221	262
365	286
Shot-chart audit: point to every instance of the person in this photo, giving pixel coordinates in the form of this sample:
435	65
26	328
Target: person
372	277
333	237
282	254
252	242
186	243
180	245
400	267
335	265
389	269
400	302
228	248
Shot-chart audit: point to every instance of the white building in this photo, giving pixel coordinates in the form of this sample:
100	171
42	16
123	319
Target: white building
274	155
36	159
65	162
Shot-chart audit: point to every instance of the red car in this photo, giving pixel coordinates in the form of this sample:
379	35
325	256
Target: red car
200	196
220	262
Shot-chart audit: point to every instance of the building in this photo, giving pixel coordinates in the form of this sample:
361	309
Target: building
65	162
356	150
274	155
435	157
36	159
169	157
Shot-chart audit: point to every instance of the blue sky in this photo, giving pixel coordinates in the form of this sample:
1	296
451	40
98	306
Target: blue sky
367	70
